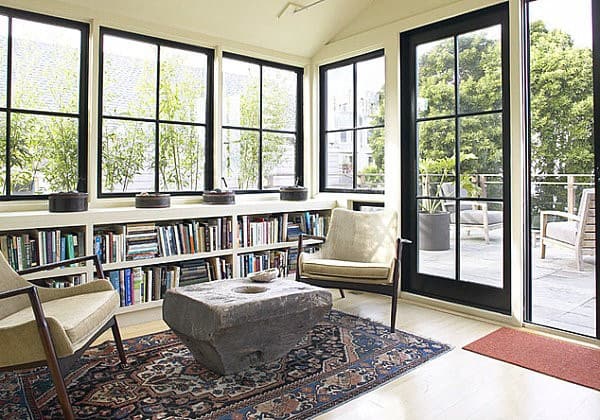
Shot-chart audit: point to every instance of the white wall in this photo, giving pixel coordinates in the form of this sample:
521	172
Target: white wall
355	40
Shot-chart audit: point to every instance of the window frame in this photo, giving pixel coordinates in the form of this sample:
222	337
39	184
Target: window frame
81	115
157	121
323	131
299	133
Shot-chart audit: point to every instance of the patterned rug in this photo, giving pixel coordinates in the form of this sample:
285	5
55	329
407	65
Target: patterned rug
340	358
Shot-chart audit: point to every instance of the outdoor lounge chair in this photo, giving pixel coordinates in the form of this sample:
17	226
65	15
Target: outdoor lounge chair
577	232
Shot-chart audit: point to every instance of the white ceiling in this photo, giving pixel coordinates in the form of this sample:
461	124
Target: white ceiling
253	22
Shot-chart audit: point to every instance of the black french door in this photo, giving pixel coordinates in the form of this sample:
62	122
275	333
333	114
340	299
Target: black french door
455	159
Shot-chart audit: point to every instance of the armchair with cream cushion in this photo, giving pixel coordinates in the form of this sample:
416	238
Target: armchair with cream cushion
45	326
361	252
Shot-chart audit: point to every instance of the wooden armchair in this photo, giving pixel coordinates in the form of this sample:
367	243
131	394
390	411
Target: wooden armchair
44	326
577	232
361	252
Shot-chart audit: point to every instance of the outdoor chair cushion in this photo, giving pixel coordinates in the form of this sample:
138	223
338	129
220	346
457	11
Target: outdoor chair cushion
475	217
562	231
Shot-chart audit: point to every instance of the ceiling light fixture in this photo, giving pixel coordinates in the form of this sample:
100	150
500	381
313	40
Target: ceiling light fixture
298	7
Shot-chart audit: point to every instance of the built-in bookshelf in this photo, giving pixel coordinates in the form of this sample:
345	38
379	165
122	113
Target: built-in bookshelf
146	251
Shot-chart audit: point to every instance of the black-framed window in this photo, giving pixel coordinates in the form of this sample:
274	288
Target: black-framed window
351	124
156	105
43	105
262	124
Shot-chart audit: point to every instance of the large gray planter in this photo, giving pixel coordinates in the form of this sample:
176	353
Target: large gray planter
434	231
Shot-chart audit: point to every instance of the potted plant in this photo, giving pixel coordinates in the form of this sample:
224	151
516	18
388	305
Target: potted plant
434	220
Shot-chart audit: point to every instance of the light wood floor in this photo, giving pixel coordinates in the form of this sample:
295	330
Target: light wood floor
457	385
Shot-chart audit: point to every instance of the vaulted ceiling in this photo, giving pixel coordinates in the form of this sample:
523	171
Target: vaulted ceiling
254	22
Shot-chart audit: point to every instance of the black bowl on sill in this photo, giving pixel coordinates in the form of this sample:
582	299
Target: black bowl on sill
152	201
63	202
293	193
219	197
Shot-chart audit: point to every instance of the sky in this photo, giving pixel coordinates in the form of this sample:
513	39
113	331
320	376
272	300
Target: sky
571	16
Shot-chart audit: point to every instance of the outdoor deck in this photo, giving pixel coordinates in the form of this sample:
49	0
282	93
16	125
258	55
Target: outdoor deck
562	296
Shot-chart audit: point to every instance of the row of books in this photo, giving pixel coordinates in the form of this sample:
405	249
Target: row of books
139	241
66	281
30	249
139	285
253	262
280	228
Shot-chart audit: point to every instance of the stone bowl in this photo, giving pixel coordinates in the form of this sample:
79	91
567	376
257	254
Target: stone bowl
264	276
219	197
152	201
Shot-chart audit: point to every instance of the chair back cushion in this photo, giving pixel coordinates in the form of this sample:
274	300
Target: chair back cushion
10	280
368	237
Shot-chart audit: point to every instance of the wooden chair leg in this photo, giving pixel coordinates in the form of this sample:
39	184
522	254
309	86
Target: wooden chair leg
394	311
342	293
542	249
52	360
118	341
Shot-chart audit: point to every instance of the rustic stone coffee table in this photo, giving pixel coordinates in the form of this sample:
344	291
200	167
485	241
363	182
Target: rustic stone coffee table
229	325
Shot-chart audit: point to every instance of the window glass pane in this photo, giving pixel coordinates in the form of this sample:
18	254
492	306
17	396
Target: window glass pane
339	159
340	94
370	83
2	153
129	78
481	258
43	154
480	70
278	160
240	159
181	165
45	67
241	93
435	78
481	156
435	237
3	58
279	99
182	85
436	166
370	156
127	156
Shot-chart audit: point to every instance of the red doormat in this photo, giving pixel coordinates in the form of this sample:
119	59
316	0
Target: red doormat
561	359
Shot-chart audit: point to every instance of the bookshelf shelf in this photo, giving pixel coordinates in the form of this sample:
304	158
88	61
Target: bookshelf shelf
140	307
165	260
276	245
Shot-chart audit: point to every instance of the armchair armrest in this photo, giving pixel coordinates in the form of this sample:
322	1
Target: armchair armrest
304	236
545	213
97	265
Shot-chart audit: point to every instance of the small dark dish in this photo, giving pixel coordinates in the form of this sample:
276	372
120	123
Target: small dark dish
293	193
63	202
219	197
152	200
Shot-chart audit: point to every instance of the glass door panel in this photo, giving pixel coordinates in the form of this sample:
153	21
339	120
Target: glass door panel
457	130
563	281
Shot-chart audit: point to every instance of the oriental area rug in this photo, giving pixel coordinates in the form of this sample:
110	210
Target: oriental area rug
550	356
340	358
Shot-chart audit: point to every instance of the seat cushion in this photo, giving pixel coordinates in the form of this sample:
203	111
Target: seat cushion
358	271
79	315
562	231
475	217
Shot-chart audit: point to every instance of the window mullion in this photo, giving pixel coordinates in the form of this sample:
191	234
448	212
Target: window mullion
157	124
260	126
456	162
354	125
7	180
